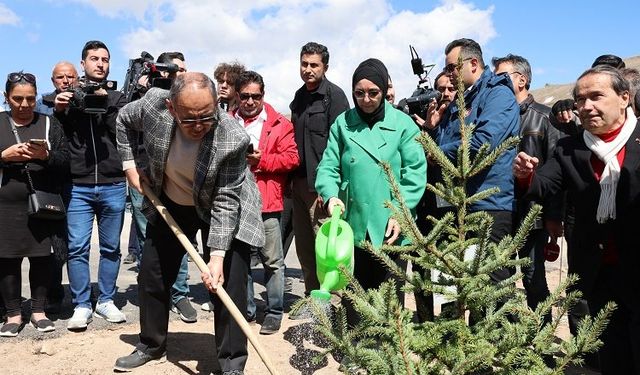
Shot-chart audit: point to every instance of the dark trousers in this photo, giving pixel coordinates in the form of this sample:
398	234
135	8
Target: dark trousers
620	352
371	273
534	277
163	254
56	290
11	283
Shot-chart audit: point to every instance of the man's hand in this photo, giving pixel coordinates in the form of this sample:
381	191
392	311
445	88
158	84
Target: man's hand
215	277
563	110
61	102
435	112
335	204
524	165
393	231
136	177
554	228
254	157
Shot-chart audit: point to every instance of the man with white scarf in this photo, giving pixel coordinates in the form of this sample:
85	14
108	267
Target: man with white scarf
600	168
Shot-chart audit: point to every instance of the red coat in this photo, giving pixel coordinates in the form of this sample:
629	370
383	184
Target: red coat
279	157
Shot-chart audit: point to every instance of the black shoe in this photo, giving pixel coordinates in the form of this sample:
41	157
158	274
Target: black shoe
135	359
288	285
233	372
43	325
10	329
270	325
53	307
187	313
129	259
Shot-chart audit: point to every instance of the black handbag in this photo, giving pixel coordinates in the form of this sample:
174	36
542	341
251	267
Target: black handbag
42	204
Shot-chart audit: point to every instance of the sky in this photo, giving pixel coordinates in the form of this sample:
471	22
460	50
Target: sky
559	38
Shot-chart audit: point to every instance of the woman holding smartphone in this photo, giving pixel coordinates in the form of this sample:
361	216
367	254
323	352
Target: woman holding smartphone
32	146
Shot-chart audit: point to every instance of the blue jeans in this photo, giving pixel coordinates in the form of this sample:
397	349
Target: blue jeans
272	259
107	203
180	288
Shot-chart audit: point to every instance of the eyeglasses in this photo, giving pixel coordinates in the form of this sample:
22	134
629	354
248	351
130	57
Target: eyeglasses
449	68
205	121
255	97
360	94
19	76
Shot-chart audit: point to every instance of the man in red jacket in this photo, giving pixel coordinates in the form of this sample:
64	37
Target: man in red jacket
272	154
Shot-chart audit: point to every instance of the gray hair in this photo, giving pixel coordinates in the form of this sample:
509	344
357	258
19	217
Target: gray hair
618	83
520	64
200	80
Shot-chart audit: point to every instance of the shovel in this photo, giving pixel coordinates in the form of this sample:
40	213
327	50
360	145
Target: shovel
202	266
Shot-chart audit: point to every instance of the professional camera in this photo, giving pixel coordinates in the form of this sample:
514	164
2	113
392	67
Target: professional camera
145	66
85	97
418	102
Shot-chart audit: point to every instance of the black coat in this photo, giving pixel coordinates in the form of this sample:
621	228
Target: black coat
312	114
570	169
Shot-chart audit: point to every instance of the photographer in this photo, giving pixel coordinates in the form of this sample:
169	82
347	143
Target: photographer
446	88
98	186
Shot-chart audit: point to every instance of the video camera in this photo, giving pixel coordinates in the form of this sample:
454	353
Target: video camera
145	66
85	97
418	102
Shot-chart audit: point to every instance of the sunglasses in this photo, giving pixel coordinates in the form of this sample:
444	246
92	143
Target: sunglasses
255	97
372	94
449	68
19	76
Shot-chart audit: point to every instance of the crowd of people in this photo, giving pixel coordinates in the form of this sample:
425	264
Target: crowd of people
227	164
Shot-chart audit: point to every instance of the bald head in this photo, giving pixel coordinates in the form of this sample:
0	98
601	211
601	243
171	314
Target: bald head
192	81
63	75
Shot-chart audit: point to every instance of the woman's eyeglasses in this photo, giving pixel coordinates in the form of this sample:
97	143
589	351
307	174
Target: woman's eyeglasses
360	94
19	76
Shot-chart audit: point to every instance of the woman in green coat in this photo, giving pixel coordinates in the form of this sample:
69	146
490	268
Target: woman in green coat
350	175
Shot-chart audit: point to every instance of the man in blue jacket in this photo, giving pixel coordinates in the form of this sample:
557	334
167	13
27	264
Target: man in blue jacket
492	108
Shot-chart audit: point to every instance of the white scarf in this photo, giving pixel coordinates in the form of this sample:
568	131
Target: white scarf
608	153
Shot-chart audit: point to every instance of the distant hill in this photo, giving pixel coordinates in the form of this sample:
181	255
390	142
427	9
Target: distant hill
551	93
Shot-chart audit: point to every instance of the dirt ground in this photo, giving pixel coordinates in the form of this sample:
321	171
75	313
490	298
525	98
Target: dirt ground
190	346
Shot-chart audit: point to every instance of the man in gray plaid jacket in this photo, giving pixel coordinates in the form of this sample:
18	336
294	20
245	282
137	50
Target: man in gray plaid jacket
197	166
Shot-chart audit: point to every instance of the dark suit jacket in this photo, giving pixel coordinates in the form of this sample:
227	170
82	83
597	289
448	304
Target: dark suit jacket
570	169
224	190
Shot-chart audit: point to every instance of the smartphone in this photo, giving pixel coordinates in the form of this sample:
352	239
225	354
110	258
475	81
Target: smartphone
250	148
42	142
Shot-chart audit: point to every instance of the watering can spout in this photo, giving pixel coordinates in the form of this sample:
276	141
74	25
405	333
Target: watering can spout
334	248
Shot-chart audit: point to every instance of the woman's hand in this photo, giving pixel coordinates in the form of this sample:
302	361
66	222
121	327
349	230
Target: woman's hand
16	153
333	202
37	151
393	231
215	277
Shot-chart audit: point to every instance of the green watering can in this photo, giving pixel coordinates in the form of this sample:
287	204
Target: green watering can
334	247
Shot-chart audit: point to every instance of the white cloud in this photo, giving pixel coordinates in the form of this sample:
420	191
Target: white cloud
7	16
266	36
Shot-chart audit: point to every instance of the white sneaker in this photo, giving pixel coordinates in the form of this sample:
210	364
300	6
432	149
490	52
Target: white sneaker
207	306
109	312
80	319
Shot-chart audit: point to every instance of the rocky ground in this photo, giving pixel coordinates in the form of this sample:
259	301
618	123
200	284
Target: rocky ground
190	346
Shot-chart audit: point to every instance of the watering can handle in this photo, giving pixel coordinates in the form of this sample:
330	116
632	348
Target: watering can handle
333	229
